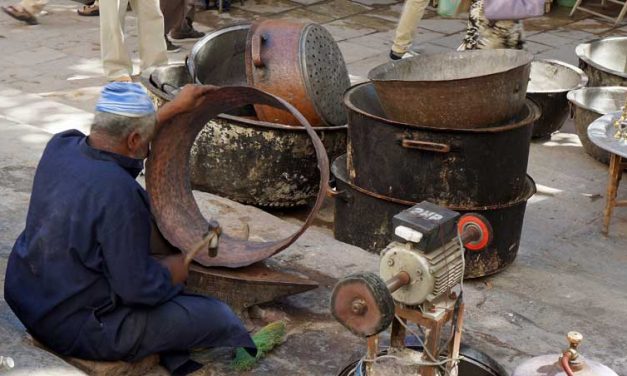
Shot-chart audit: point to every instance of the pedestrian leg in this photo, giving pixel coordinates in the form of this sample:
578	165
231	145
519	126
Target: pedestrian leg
116	62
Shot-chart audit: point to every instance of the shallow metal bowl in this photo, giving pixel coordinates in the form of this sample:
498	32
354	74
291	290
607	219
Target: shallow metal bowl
604	61
469	89
590	104
218	58
549	82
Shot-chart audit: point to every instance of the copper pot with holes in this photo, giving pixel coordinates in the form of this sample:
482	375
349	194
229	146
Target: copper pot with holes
301	63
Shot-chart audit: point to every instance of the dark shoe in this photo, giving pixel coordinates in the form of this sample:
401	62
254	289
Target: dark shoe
405	55
20	14
170	46
394	56
186	35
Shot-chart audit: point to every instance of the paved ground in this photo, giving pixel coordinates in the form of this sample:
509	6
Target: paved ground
567	275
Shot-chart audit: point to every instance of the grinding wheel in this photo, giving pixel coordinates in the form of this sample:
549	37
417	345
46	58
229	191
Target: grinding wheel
363	304
168	180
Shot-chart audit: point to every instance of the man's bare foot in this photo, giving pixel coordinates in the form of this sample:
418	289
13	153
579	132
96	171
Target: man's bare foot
19	13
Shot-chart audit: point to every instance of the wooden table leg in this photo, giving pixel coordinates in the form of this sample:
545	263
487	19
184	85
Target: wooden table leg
615	173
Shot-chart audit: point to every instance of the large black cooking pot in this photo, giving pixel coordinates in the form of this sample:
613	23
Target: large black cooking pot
364	219
246	160
449	167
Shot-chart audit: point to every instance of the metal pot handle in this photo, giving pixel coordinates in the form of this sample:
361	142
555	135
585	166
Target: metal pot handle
257	42
426	146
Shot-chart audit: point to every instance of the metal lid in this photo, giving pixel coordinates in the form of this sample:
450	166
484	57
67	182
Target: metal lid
325	74
602	131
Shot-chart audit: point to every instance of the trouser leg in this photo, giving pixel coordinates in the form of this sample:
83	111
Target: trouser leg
413	11
33	6
188	322
115	58
185	26
150	29
173	14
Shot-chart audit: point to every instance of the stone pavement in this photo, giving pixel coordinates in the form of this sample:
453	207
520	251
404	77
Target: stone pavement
567	276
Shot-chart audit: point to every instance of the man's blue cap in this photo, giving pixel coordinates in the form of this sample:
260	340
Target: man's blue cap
126	99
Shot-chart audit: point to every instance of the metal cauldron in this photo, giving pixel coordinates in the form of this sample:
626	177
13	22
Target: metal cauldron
604	61
449	167
473	363
364	218
246	160
549	82
469	89
590	104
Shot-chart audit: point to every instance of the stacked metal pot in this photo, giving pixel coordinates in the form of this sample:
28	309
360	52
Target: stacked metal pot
256	154
453	129
605	62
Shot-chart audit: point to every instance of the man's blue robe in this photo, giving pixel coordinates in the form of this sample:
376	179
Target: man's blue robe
80	277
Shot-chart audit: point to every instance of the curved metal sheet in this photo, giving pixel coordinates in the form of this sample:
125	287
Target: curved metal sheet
608	55
601	133
168	180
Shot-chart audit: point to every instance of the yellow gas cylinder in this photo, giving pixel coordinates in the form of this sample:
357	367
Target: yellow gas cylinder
568	363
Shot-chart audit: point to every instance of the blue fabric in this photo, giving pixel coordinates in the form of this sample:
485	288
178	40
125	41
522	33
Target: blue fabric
125	98
80	276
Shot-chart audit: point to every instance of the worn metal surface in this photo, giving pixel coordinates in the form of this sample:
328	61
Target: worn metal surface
549	82
260	163
363	304
604	61
473	363
449	167
251	285
218	58
301	63
469	89
601	133
168	183
250	161
589	105
364	219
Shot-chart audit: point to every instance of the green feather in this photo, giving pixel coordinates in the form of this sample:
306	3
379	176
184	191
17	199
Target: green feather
265	339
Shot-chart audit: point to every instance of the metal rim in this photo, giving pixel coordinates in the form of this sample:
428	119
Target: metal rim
190	62
374	71
598	134
168	182
534	114
581	54
573	96
530	186
583	77
470	354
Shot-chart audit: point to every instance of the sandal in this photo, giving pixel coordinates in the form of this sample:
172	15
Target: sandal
89	10
20	14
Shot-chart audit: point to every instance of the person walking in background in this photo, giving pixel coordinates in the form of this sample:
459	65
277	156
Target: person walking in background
116	61
178	16
412	13
26	10
482	33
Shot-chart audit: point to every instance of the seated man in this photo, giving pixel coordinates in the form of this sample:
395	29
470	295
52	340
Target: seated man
80	277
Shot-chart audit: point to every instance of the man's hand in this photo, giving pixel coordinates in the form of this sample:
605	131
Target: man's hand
190	97
179	270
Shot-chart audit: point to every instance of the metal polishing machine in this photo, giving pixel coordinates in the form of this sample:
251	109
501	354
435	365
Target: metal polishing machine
420	281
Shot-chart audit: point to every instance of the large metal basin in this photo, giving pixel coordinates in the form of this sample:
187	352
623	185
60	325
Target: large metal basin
590	104
218	58
246	160
604	61
450	167
364	218
469	89
549	82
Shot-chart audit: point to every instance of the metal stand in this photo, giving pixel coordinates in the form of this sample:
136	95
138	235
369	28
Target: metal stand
616	21
433	323
615	174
